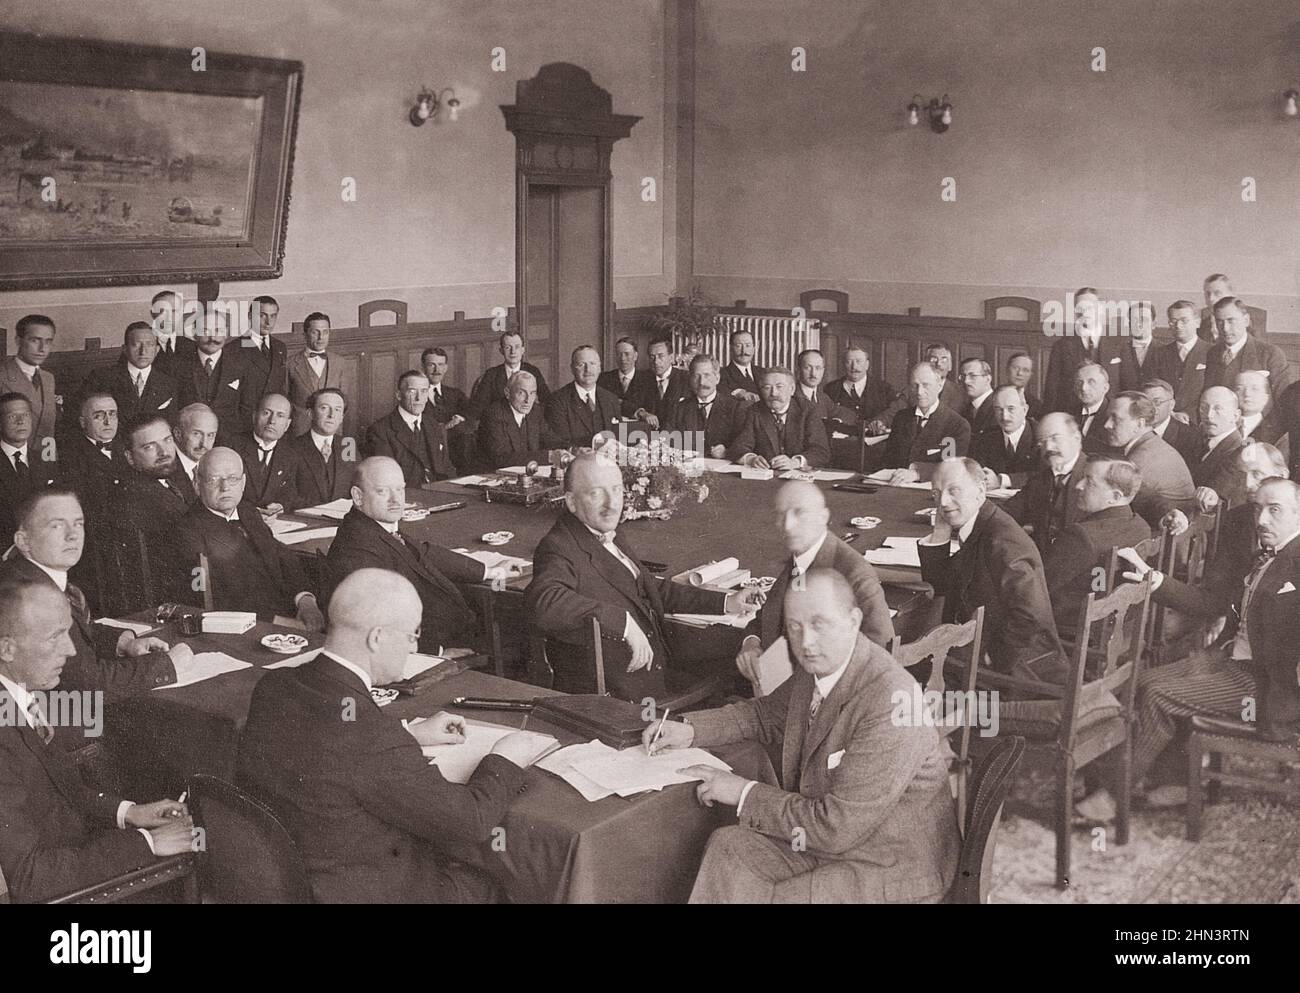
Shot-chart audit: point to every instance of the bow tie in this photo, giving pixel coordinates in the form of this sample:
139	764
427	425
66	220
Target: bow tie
1265	556
315	355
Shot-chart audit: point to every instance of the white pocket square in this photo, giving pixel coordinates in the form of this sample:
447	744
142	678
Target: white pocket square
1287	588
1115	359
165	404
1200	366
233	384
834	759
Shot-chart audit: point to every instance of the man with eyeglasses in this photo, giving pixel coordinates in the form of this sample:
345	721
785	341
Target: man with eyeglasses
1182	362
412	434
247	568
977	382
1182	436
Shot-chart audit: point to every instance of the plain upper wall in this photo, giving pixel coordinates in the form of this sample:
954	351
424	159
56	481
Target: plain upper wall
434	222
1128	179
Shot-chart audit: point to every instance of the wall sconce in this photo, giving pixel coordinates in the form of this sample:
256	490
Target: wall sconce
1291	103
429	102
938	111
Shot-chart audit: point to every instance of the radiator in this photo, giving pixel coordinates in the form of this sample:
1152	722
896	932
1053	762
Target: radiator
777	340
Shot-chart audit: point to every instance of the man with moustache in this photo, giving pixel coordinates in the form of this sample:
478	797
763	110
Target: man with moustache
1182	362
196	434
1184	438
134	381
1092	396
939	355
411	435
1087	342
91	461
925	433
740	377
1216	473
214	374
1166	483
666	386
783	432
512	430
708	411
323	465
268	467
248	570
1049	501
866	396
1008	451
580	410
311	369
630	384
26	465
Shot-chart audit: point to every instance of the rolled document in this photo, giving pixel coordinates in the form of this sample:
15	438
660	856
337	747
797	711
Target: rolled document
706	574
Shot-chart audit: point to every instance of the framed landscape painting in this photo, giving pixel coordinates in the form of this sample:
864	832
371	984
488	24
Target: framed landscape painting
126	164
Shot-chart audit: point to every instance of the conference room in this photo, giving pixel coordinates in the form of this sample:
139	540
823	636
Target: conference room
672	451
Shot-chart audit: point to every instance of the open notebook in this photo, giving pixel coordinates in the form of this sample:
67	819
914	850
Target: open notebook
458	762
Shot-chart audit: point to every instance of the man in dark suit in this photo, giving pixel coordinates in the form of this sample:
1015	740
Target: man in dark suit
374	821
265	359
411	435
248	569
802	518
1092	393
311	369
1008	451
810	371
24	372
447	405
47	547
24	466
976	377
1260	418
1237	350
492	384
783	432
1215	286
513	430
740	377
1182	362
926	432
1050	499
1088	341
951	395
583	569
323	460
369	538
1107	521
580	410
134	381
1166	481
625	380
1254	659
214	374
665	386
176	349
866	396
708	412
1184	438
1217	473
268	466
196	432
59	835
1143	351
1020	373
977	556
867	792
91	461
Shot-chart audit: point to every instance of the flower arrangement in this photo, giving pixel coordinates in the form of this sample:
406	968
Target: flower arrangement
656	478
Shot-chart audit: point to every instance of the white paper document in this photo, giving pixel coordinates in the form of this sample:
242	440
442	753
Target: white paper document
818	475
895	551
278	526
882	476
132	626
753	472
335	509
774	667
715	465
311	534
458	762
705	574
1001	494
543	471
560	763
729	467
631	771
205	665
706	620
493	559
477	481
294	660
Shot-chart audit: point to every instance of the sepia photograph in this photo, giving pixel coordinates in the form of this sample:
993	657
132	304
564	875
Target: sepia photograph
639	452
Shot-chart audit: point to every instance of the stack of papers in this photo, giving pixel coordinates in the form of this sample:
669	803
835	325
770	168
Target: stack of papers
705	620
477	481
1001	494
493	559
882	476
335	510
818	475
132	626
895	551
458	762
311	534
714	465
631	771
278	526
753	472
205	665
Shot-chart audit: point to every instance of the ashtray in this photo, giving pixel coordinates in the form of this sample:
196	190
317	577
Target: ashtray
865	523
285	644
382	695
415	514
498	537
764	583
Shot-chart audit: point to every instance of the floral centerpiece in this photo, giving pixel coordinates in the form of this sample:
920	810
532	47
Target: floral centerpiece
656	478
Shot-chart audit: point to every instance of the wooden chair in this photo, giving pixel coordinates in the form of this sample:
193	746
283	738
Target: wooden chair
247	855
990	783
542	674
936	646
1185	559
1216	737
1071	739
163	872
205	571
123	577
492	603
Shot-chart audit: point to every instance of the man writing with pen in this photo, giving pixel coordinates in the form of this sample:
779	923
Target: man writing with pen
864	812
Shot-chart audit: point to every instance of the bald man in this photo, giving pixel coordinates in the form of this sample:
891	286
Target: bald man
196	435
1216	472
369	537
867	793
801	519
373	820
584	568
247	568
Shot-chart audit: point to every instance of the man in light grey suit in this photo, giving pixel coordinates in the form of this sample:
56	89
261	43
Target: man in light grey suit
866	814
311	369
22	372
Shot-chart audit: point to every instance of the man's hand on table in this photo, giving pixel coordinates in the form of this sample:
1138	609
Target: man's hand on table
747	658
440	729
717	787
156	814
744	601
456	421
309	613
271	510
498	575
900	476
519	748
718	452
676	734
173	838
755	461
131	647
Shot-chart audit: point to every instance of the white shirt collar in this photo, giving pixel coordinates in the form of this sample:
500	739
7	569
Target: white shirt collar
1092	410
20	697
58	575
808	391
804	560
268	445
407	416
1285	541
1184	348
1162	427
313	359
187	463
318	439
351	667
136	373
512	369
519	418
779	413
10	449
708	400
1014	436
1235	350
256	337
965	530
27	370
232	516
827	683
927	413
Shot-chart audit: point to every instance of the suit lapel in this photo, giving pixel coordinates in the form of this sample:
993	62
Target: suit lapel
796	729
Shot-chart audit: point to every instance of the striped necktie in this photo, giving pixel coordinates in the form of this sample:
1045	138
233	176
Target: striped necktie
37	720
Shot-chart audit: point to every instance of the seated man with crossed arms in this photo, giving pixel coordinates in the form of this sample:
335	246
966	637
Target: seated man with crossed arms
867	795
